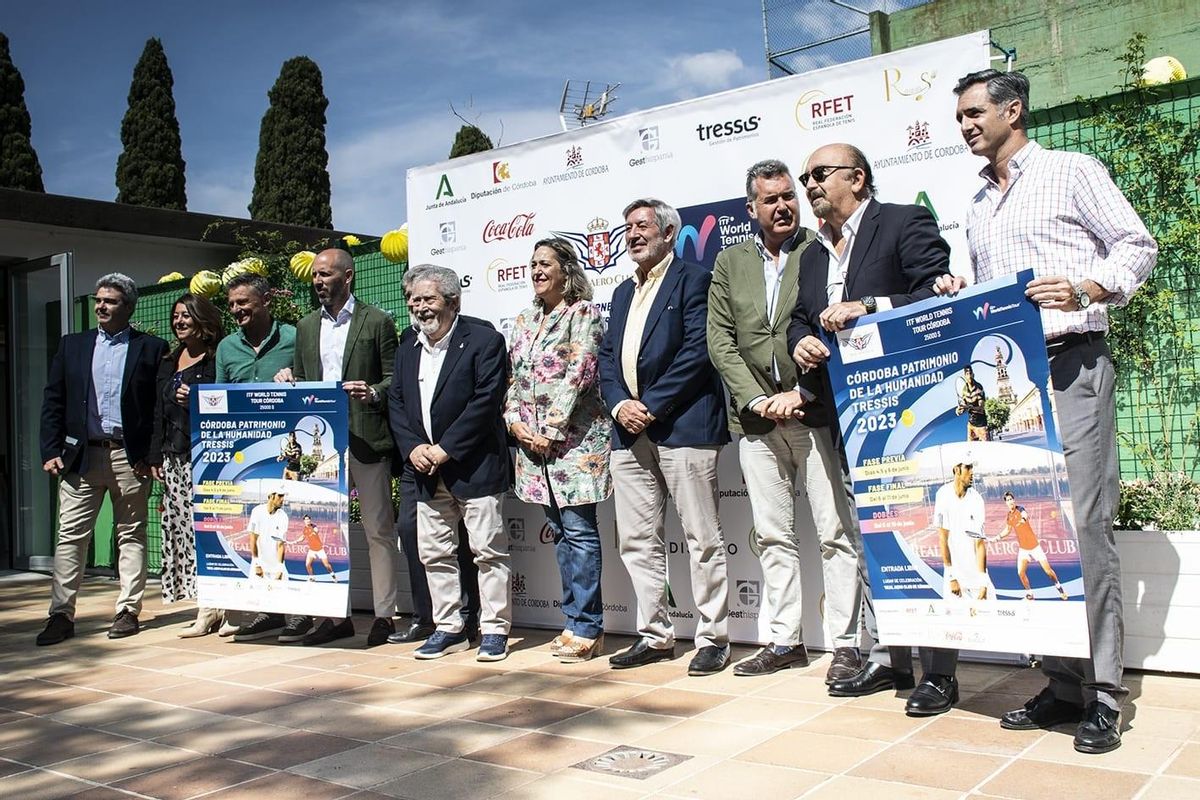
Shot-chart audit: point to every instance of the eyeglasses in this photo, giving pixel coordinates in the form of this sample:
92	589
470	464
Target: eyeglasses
821	173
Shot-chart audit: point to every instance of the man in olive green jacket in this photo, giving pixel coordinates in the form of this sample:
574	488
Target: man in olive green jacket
784	421
352	342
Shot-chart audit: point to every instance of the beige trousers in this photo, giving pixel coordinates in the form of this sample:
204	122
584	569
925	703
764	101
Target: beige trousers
79	500
770	464
374	484
437	542
643	476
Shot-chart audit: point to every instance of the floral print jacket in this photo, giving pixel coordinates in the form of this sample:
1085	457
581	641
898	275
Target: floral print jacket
554	389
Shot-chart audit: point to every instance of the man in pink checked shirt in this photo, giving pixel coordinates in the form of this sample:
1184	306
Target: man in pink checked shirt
1060	213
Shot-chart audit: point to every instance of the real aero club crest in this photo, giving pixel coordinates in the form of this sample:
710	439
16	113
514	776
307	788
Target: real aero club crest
600	247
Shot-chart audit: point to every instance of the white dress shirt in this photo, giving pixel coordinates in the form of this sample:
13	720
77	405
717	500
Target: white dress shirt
839	265
333	340
433	355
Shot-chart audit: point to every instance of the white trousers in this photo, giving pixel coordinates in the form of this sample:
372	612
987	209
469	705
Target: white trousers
642	476
437	543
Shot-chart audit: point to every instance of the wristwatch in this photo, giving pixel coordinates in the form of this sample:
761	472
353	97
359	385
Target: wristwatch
870	304
1082	298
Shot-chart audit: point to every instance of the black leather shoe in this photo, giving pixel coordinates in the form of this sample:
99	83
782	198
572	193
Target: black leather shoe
871	679
381	629
1043	711
640	654
772	659
124	624
417	632
847	662
935	694
58	628
1100	730
709	660
330	631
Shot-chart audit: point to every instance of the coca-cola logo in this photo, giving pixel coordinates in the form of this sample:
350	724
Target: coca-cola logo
518	227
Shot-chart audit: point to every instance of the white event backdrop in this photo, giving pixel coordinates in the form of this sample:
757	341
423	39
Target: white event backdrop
481	214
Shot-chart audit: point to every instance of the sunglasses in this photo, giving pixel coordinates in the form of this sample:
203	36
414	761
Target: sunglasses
821	173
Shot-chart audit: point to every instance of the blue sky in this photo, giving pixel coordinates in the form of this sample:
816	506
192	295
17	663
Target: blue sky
390	70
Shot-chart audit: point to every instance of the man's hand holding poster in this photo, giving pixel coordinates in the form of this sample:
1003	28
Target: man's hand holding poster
959	478
271	507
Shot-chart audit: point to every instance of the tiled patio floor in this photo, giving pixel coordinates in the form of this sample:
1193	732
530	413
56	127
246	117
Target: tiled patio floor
157	716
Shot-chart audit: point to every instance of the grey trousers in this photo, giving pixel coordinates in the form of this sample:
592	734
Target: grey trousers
79	500
642	476
374	484
771	463
1084	382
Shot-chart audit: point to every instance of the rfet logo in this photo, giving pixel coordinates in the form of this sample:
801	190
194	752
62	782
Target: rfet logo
518	227
898	84
600	247
503	276
500	172
816	110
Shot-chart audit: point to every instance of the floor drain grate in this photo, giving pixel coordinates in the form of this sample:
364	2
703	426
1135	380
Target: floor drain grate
631	762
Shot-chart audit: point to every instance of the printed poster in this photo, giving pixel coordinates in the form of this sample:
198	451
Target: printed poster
270	503
959	478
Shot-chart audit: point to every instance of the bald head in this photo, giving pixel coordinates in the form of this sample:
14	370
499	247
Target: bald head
333	276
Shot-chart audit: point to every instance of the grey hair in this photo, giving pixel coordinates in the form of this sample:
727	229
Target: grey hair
446	279
767	168
1002	89
578	287
257	283
666	216
123	284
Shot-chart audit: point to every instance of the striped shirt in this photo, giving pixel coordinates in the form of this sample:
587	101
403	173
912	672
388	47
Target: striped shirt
1060	215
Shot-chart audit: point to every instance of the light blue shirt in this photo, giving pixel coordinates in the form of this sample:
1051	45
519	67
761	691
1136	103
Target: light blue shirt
108	372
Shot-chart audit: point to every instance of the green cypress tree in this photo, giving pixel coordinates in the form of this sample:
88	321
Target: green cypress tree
150	170
19	167
291	175
470	139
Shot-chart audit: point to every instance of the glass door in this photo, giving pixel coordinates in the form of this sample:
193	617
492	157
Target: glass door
39	295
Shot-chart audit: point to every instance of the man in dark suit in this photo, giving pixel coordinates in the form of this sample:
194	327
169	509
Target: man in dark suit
352	342
406	530
750	304
669	410
445	405
96	430
868	256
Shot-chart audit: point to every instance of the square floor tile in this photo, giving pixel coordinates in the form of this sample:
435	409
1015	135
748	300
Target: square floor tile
454	737
1029	780
808	750
927	766
191	778
539	752
456	780
527	712
739	779
290	749
366	766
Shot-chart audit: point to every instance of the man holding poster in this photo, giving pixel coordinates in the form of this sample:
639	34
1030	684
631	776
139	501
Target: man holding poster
781	433
349	341
868	256
1060	214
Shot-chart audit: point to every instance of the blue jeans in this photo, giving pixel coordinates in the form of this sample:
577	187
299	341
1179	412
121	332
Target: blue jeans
577	545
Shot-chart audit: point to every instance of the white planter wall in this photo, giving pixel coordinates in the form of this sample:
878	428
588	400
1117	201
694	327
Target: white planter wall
1161	582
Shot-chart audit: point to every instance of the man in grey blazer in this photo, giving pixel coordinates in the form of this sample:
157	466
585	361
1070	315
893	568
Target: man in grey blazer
782	432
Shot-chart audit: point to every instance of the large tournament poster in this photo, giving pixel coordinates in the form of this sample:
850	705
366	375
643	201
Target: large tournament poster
270	503
962	493
481	214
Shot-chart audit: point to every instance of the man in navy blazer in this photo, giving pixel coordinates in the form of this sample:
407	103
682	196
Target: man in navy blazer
868	256
669	411
445	401
97	415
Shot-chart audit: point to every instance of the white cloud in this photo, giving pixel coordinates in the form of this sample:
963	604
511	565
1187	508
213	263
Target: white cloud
711	71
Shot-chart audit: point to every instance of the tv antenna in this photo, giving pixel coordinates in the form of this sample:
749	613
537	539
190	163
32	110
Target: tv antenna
584	102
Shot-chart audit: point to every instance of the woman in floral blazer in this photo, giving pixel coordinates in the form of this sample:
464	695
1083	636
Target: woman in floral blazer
553	410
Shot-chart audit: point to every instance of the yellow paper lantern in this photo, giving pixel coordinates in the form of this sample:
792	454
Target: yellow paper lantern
351	239
171	276
205	283
1164	69
394	245
254	265
301	264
